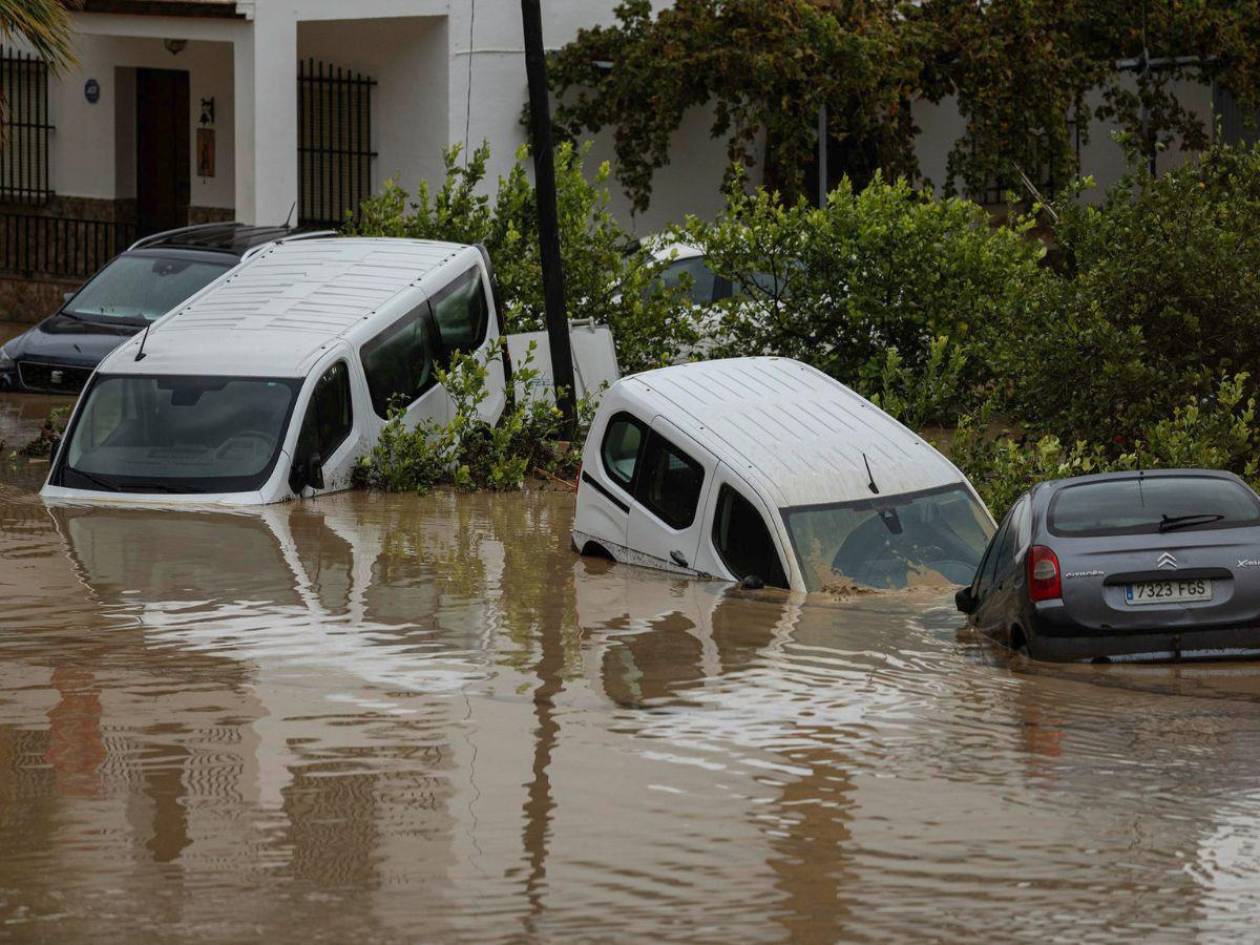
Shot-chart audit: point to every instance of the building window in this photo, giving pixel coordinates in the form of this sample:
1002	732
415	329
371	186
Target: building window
24	128
334	142
995	190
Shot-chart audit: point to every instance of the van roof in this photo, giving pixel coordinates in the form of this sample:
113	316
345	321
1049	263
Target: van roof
273	315
791	430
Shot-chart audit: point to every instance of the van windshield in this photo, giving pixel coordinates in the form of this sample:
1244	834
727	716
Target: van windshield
178	434
926	538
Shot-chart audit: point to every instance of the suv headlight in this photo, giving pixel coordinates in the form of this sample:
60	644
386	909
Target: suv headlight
6	359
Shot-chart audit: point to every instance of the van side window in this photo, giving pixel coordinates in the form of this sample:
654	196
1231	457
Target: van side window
462	313
743	541
400	361
620	450
669	482
329	416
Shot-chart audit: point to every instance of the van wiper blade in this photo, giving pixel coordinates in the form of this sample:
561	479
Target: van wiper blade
158	487
1167	524
107	486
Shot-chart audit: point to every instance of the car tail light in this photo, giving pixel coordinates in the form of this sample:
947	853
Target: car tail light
577	479
1045	580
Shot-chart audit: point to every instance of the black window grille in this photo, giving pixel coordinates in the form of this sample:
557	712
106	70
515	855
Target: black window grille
24	128
334	142
994	192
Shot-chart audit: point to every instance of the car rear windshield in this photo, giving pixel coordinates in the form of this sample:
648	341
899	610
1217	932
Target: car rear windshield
177	434
137	289
925	538
1152	504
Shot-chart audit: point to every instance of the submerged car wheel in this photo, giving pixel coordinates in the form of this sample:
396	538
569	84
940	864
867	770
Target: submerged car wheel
1019	642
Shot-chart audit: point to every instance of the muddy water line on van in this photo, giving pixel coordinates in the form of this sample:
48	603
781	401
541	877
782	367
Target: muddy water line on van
402	719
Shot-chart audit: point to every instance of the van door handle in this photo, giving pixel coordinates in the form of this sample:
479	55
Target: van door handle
678	558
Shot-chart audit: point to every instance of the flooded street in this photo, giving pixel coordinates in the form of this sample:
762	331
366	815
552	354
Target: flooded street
424	719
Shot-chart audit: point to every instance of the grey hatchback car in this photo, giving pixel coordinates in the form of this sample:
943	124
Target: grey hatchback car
1157	565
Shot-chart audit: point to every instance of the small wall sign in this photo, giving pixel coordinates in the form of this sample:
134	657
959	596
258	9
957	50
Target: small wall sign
92	91
205	152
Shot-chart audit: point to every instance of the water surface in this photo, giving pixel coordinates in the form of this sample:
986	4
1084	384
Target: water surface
423	719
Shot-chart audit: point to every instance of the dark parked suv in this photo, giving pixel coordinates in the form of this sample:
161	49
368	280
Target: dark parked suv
159	272
1156	565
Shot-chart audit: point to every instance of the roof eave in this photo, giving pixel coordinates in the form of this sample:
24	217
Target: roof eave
214	9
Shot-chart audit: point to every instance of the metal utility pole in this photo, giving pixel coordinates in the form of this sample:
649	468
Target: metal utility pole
548	219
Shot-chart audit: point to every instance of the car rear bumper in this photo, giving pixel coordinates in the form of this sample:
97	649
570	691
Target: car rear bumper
1071	644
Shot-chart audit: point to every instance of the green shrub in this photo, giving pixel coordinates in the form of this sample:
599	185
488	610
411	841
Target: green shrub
606	277
45	444
469	453
1160	298
928	397
1219	433
885	268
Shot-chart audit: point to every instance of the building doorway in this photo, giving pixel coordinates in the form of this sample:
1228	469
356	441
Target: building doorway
163	183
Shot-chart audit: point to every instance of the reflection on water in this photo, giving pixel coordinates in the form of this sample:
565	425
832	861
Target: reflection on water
403	719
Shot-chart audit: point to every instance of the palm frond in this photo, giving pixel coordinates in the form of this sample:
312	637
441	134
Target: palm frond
43	24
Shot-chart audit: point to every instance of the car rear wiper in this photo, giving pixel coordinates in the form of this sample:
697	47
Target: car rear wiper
1167	524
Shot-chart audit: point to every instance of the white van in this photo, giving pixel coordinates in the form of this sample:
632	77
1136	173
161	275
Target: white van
767	471
273	380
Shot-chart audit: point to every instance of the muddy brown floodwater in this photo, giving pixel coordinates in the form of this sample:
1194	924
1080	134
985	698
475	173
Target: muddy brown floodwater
424	720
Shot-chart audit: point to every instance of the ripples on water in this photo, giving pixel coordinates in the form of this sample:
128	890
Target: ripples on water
405	719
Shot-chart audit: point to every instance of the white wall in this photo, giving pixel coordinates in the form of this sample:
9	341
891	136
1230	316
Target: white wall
85	158
449	71
491	34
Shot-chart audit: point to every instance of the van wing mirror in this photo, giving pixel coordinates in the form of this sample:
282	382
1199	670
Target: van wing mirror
965	600
308	472
315	471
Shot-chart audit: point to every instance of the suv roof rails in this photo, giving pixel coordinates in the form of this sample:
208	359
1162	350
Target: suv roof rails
157	237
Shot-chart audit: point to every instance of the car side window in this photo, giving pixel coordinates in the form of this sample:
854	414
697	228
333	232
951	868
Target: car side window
399	362
623	441
462	313
668	482
743	541
702	278
988	566
329	416
1004	553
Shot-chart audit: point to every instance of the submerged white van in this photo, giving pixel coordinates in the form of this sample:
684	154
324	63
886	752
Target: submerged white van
767	471
272	381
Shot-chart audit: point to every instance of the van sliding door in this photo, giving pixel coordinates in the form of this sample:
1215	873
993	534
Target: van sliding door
671	486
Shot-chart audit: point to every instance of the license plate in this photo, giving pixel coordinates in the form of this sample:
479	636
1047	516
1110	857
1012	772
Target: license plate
1168	592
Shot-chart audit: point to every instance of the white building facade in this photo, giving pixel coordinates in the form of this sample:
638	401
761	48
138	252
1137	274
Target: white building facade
188	111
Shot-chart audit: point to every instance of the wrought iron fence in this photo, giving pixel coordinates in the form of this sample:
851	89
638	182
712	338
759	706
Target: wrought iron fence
34	245
334	142
24	128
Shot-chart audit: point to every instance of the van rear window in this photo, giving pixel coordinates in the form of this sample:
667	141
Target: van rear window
1152	504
